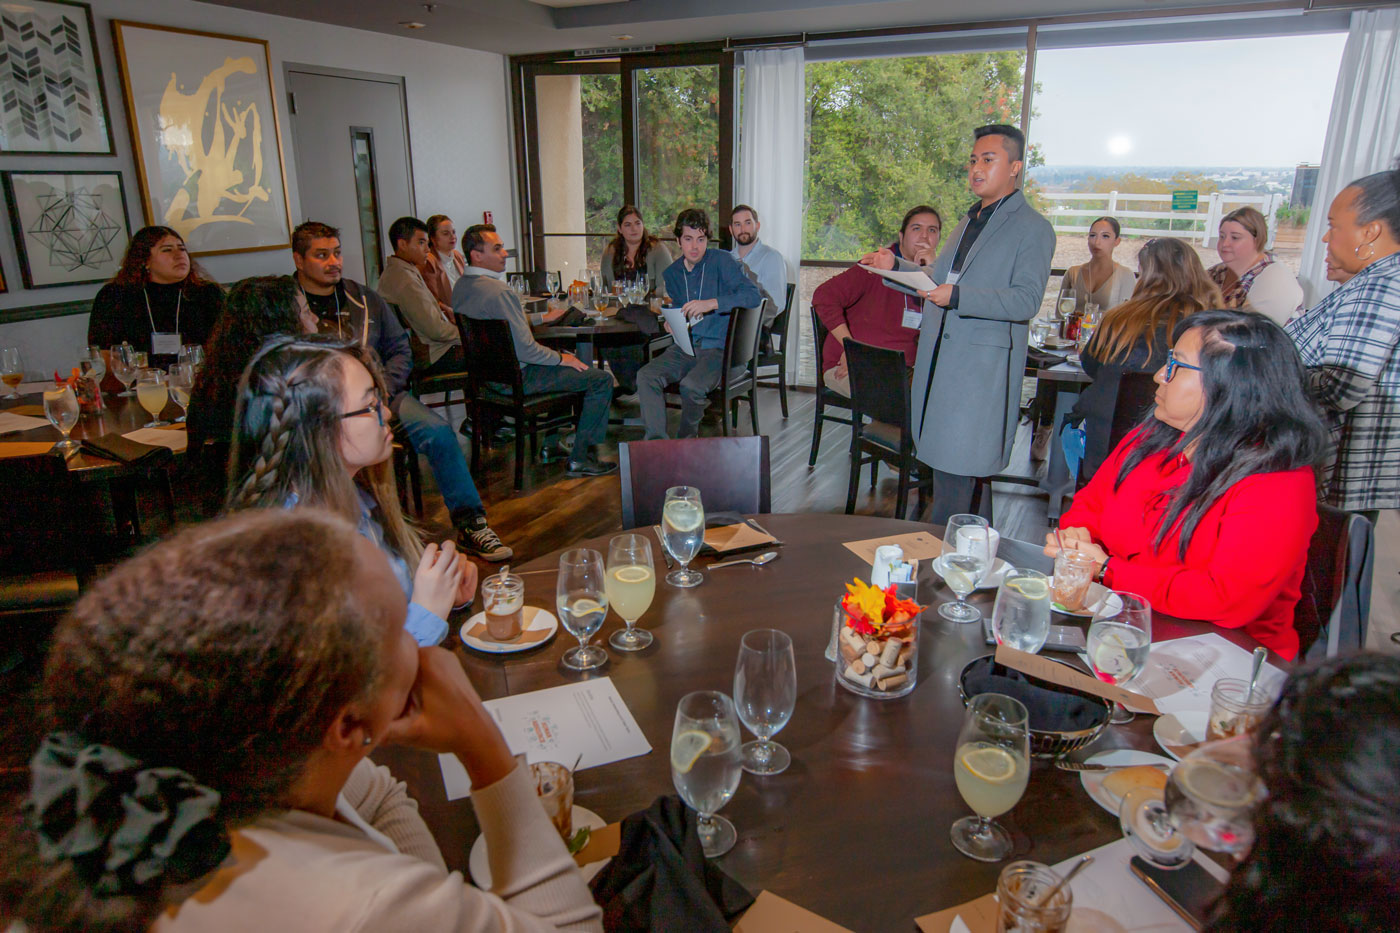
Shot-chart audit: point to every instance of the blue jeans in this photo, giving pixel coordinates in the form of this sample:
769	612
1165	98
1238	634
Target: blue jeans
433	437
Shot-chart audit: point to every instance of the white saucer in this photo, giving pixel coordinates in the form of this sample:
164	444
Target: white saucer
1098	595
533	619
480	865
990	580
1093	780
1173	730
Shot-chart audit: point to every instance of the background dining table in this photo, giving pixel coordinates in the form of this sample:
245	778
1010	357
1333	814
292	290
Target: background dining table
856	828
119	415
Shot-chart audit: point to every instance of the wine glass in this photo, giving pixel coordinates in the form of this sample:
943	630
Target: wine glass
1119	639
153	391
1021	616
1209	802
61	407
11	370
631	584
94	364
682	532
551	280
706	764
583	603
991	767
124	368
181	382
765	692
966	556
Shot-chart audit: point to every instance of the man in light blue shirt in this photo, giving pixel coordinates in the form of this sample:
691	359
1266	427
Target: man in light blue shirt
708	284
764	263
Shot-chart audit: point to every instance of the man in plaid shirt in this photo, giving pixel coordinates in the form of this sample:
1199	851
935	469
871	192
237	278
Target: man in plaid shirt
1350	342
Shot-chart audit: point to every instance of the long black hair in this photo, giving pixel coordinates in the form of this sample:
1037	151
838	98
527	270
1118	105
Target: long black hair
618	245
1257	416
1327	855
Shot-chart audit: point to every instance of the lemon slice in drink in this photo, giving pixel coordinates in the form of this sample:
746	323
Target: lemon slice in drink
1031	589
631	574
991	764
957	579
683	516
687	748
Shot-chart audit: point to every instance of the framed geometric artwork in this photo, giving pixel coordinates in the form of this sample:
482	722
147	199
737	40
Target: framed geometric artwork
208	150
70	227
51	94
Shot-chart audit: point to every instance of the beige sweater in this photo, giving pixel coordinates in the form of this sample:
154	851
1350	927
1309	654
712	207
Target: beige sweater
402	285
377	868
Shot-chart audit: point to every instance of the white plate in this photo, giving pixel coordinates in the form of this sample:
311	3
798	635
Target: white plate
1174	730
533	619
1098	594
1093	780
991	580
480	865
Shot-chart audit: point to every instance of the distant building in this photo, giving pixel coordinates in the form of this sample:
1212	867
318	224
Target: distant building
1304	185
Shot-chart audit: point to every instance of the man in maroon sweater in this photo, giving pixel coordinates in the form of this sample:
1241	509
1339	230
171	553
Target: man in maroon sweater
856	303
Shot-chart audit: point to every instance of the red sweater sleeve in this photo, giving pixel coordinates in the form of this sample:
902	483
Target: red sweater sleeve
1264	532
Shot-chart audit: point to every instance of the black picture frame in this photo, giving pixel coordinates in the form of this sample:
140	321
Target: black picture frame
114	236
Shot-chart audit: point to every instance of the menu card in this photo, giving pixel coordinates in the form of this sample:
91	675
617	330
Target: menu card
1066	676
773	914
9	421
587	719
177	439
1181	673
917	546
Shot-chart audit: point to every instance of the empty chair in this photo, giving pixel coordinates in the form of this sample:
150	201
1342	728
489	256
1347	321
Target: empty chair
773	349
825	397
730	472
1336	591
880	392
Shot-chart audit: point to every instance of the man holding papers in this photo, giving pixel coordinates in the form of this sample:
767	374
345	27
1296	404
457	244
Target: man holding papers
990	278
707	284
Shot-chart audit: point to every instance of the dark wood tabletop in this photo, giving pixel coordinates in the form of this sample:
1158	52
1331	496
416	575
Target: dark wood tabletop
606	327
857	828
120	415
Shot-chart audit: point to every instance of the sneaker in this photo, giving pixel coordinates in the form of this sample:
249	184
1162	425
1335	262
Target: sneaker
1040	444
482	541
591	466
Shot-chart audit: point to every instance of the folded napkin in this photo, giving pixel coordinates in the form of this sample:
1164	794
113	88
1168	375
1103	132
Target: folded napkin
731	533
1046	357
116	447
641	316
661	880
574	317
1050	710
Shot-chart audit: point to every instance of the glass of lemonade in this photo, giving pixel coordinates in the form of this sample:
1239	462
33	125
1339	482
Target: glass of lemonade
153	392
11	371
181	382
683	532
631	584
765	693
706	764
61	407
991	767
1021	617
1119	642
966	557
582	599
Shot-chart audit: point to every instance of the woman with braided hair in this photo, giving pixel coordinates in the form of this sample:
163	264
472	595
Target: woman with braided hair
312	428
210	707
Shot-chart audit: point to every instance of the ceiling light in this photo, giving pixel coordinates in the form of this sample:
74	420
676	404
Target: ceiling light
410	24
622	38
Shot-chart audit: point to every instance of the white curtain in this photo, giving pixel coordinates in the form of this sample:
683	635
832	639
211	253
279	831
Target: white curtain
772	156
1363	133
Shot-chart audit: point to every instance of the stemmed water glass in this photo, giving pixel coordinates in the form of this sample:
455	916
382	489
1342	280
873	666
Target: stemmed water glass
1021	616
94	364
706	764
192	354
61	407
125	368
551	280
631	585
582	598
181	382
966	556
765	692
11	370
991	767
683	532
1120	637
153	391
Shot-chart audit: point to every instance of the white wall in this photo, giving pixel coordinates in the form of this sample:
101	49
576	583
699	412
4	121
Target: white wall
459	128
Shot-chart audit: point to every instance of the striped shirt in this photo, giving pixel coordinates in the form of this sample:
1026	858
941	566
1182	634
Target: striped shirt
1348	342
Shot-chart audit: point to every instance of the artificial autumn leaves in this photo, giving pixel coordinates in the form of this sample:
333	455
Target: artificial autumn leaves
873	611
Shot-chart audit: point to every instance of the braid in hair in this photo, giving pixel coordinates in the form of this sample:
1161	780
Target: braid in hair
282	409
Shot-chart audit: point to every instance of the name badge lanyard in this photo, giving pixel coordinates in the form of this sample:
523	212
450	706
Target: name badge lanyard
699	288
156	336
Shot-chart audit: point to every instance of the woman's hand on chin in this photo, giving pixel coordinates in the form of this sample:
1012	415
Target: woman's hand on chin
444	713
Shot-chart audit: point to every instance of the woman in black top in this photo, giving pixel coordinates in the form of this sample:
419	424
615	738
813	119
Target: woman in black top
160	295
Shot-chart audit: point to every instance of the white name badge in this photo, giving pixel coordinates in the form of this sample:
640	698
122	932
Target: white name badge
952	278
165	344
913	318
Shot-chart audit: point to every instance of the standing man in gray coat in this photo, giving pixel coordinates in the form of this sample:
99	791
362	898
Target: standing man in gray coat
990	279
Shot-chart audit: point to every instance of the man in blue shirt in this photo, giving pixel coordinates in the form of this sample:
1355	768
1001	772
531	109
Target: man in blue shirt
764	263
708	284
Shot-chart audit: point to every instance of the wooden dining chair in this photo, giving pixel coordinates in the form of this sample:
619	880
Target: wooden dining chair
732	474
880	392
826	398
738	381
419	382
773	350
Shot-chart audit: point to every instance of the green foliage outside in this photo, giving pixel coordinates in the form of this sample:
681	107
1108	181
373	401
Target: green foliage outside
1290	216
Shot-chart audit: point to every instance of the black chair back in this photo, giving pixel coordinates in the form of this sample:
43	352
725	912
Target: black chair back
1335	591
1136	395
538	280
490	353
741	345
819	334
732	474
879	384
778	327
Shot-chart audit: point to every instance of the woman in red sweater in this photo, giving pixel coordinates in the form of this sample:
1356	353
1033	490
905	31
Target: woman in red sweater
1208	507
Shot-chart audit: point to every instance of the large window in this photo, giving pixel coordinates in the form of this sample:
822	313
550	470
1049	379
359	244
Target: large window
677	142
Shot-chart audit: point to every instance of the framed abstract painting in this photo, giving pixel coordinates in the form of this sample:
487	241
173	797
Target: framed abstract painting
208	149
70	227
52	100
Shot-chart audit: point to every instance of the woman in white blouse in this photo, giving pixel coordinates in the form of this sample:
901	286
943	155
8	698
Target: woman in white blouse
1248	277
1100	280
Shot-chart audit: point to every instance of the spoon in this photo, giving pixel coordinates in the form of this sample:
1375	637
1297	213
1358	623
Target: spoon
1259	654
1065	880
758	561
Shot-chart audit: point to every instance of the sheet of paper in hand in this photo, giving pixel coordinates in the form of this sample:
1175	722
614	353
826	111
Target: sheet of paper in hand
910	282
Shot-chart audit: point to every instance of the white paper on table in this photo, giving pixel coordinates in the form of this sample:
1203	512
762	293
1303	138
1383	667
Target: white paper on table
907	281
9	421
176	440
34	388
1180	673
559	724
680	329
1109	897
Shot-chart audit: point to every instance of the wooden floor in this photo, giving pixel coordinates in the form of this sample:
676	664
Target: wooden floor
554	510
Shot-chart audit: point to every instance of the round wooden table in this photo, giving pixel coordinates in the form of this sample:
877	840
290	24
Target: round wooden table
119	415
857	828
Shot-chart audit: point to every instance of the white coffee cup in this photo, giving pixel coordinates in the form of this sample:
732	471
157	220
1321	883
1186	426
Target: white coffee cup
970	542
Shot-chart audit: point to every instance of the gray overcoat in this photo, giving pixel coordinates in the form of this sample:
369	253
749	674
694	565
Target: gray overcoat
964	419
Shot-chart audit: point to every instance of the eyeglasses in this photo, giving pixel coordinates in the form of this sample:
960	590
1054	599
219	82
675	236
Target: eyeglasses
377	408
1173	364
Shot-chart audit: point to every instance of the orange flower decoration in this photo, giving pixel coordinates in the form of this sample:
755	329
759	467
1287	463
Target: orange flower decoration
873	611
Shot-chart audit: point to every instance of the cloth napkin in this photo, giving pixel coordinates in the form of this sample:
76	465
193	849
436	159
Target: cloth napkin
745	537
1046	357
661	880
115	447
646	322
1050	710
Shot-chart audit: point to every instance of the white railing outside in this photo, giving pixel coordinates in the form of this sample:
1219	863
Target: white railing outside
1208	221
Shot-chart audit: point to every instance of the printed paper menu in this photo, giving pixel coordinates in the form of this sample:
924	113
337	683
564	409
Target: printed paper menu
1180	673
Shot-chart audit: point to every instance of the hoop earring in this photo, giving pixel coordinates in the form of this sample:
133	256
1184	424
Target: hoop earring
1369	256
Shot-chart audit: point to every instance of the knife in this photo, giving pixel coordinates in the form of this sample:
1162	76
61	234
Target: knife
1090	766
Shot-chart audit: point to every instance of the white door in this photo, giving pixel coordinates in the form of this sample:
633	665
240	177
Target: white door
354	172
